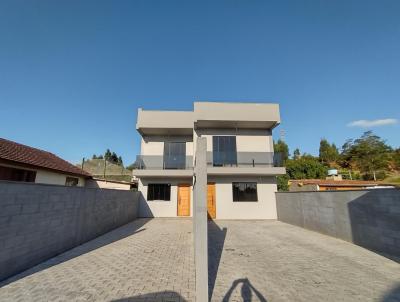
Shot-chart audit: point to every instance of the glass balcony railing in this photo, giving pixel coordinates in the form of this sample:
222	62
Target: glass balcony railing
244	159
163	162
236	159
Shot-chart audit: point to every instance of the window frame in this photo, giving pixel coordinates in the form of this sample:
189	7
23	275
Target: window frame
174	155
224	150
17	174
152	194
69	183
237	196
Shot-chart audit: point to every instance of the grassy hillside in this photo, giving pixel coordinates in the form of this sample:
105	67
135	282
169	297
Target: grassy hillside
113	171
393	178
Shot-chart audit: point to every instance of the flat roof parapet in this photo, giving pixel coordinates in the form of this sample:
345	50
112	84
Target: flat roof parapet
152	122
241	115
208	115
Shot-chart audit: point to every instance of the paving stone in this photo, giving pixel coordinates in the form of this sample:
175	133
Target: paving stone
152	260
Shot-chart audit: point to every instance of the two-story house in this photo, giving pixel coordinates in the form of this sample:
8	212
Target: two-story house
241	164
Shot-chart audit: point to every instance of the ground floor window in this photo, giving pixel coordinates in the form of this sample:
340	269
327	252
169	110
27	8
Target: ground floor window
14	174
244	191
159	192
71	181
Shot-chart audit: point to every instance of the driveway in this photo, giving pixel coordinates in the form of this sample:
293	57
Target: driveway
152	260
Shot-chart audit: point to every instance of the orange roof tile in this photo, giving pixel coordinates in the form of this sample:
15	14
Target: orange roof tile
22	154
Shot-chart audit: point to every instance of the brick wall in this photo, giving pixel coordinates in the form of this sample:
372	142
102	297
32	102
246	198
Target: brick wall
369	218
40	221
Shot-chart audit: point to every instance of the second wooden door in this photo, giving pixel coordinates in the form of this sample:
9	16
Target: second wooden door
211	201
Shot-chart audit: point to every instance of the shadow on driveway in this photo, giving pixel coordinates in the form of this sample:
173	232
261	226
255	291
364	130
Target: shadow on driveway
167	296
246	291
216	239
103	240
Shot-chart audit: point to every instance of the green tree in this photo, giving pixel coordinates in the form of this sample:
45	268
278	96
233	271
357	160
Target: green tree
327	153
132	166
120	162
114	158
305	167
107	155
345	157
396	159
283	182
94	156
296	154
369	153
281	147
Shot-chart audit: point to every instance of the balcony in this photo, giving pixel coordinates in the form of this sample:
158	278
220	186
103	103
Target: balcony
163	165
245	163
238	163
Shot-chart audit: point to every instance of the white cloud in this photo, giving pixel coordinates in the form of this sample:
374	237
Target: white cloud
373	123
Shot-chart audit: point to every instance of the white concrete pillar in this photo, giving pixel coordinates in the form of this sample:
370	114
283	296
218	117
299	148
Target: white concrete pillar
200	220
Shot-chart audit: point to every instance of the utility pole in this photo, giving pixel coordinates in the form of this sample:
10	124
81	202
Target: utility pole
282	133
104	171
200	232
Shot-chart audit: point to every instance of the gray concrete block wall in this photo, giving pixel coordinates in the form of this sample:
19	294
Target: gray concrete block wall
40	221
369	218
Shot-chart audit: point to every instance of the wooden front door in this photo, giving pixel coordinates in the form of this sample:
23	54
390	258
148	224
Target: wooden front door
211	201
183	200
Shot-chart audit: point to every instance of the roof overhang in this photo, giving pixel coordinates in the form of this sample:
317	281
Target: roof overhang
236	115
162	173
235	124
34	167
152	122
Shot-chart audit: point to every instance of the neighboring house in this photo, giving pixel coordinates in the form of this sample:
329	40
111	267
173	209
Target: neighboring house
241	165
23	163
333	185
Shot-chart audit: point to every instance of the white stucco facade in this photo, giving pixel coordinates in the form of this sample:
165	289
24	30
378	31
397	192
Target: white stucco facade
247	140
106	184
253	135
54	178
154	145
263	208
162	208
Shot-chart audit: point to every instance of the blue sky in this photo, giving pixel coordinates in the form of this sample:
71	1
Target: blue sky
73	73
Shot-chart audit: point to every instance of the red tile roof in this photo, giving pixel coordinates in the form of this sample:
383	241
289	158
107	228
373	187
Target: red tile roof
25	155
330	182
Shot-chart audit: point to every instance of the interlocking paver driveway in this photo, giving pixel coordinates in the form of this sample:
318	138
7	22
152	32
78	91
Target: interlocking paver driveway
145	259
152	260
282	262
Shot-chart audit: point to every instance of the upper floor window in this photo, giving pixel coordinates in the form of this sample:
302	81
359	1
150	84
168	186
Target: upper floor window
224	151
14	174
174	155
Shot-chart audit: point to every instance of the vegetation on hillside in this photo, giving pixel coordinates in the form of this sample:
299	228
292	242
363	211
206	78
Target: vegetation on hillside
368	157
109	166
109	156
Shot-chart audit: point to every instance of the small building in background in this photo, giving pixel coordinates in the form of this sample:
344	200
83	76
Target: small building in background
111	184
23	163
334	182
333	185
